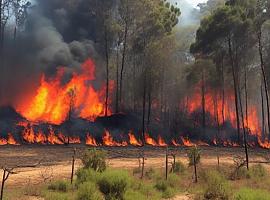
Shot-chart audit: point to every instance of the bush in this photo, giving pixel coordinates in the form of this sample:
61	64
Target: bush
113	184
147	190
56	196
178	167
240	173
88	191
194	152
216	186
94	159
252	194
167	187
86	175
61	186
134	195
257	171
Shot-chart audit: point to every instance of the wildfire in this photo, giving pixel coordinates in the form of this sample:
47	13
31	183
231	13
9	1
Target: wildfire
133	141
161	142
149	140
187	142
90	140
109	141
51	103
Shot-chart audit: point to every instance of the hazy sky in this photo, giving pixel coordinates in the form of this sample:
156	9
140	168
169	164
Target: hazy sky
195	2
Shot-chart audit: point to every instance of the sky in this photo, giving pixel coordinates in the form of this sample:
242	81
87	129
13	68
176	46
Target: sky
195	2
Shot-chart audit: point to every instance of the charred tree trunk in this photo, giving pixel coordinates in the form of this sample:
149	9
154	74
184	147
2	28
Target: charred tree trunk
203	101
149	107
243	126
1	27
246	98
263	116
143	163
264	78
107	72
123	62
117	81
195	168
144	105
223	90
166	164
235	89
218	126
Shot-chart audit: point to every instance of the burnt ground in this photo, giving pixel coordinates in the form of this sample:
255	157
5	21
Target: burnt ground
55	161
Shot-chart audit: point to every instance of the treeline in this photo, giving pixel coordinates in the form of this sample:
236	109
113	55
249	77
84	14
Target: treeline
234	38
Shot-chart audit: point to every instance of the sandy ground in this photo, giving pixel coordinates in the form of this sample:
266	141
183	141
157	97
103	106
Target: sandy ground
55	161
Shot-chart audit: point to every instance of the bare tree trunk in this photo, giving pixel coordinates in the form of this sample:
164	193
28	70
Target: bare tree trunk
218	126
149	107
1	27
195	168
246	98
73	165
3	183
107	72
203	101
223	91
117	81
235	89
166	164
263	116
243	126
143	163
144	105
123	61
264	79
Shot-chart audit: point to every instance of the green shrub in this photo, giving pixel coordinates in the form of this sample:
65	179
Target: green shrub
88	191
151	173
173	180
134	195
136	170
194	152
252	194
216	186
86	175
178	167
166	187
61	186
257	171
94	159
147	190
56	196
113	184
240	173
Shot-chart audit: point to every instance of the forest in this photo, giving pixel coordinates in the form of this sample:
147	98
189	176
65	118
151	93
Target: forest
148	75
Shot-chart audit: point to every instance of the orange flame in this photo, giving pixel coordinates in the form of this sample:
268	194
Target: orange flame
108	140
90	140
133	141
187	142
51	102
161	142
149	140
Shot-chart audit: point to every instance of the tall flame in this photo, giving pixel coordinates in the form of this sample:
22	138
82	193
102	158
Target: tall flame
51	102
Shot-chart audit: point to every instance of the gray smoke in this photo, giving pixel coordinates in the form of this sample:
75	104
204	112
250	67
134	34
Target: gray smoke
54	35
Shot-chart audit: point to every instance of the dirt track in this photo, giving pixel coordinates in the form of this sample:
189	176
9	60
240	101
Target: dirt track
55	161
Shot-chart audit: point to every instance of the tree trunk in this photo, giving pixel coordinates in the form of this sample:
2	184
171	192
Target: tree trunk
195	168
264	79
263	116
117	81
149	107
235	89
243	126
144	105
73	165
123	62
246	99
203	102
223	91
107	73
1	28
3	182
166	163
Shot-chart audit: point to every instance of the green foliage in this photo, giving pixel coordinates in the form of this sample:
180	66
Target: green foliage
239	173
194	152
216	186
61	186
86	175
134	195
113	184
178	167
94	159
257	171
88	191
56	196
251	194
151	173
167	187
